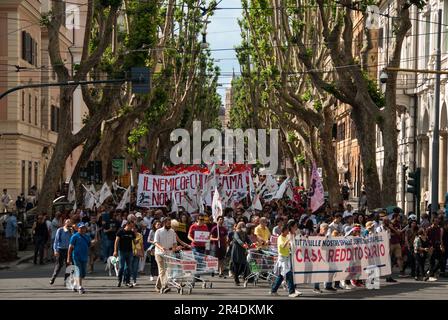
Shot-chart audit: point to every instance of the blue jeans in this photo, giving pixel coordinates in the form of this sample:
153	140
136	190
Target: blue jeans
134	267
289	281
107	248
125	265
197	253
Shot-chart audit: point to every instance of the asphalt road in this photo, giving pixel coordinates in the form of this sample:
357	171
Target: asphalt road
27	281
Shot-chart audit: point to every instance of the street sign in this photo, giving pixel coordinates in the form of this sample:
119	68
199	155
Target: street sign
140	78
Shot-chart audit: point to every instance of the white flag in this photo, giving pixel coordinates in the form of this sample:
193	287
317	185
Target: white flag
174	206
71	196
89	197
210	182
125	199
216	205
281	190
105	193
255	199
271	184
116	187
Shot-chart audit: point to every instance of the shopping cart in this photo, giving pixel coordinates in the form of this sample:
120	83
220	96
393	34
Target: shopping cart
261	264
206	265
180	271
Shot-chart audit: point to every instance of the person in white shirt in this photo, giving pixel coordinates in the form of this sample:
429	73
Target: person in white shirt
165	240
348	224
348	211
229	221
336	225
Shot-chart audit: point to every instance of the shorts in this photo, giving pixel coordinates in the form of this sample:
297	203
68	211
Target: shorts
395	250
81	268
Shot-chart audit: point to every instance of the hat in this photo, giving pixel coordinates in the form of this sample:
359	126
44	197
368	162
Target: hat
383	214
81	225
412	217
138	215
370	224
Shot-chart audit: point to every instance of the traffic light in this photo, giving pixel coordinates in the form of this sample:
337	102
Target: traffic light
414	183
140	77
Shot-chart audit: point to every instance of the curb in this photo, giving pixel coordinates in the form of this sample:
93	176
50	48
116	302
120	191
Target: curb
15	263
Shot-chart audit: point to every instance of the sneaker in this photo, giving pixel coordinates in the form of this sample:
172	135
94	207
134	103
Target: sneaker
331	289
151	278
166	290
338	287
432	279
128	284
391	280
134	284
317	291
51	281
273	293
81	290
295	294
119	284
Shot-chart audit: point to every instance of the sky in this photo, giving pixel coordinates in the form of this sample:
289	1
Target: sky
223	32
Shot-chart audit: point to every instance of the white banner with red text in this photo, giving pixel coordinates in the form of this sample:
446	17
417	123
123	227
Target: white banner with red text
328	259
155	191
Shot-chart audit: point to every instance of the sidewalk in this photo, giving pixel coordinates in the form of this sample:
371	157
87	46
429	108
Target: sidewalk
24	256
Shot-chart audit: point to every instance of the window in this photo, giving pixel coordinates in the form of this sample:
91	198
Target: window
36	111
29	48
30	169
54	119
36	173
23	106
23	176
30	109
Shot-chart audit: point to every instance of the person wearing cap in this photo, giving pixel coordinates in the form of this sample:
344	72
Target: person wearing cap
78	253
369	230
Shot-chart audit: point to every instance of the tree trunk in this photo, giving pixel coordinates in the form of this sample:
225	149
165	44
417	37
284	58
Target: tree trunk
366	134
328	154
389	185
52	176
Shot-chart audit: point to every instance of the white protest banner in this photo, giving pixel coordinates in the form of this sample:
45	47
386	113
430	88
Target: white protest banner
154	191
125	199
105	193
328	259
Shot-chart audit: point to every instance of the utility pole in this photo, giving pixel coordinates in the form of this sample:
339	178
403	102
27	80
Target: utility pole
436	134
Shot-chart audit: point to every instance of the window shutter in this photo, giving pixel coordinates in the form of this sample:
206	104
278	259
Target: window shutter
24	45
28	48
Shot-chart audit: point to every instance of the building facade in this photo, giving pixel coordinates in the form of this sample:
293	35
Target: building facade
415	100
29	118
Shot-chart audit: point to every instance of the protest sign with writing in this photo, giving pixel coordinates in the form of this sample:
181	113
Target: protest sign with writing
324	259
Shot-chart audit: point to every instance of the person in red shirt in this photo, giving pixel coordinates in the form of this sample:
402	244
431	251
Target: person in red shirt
199	235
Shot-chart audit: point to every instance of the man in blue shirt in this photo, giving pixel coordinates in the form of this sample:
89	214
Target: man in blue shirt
78	252
60	248
11	234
